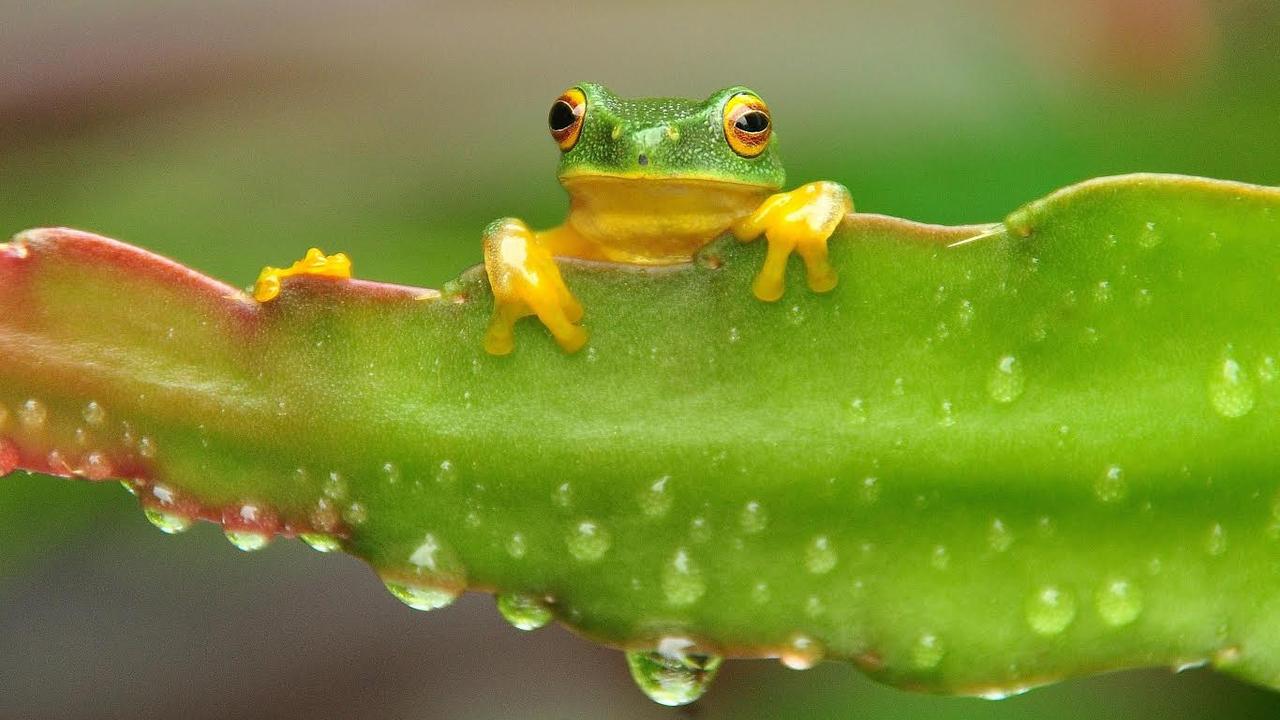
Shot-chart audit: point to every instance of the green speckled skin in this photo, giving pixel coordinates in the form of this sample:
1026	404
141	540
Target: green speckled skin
699	151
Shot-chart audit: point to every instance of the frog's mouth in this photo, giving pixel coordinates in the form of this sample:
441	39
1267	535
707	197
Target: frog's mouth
649	179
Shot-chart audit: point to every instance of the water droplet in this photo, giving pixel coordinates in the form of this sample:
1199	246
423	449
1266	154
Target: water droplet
682	581
998	536
1102	292
94	414
1007	381
964	313
899	387
802	652
1230	389
1050	610
563	495
247	540
1119	602
446	473
325	516
356	514
940	558
130	487
1268	370
334	486
1149	237
321	542
760	593
820	557
422	597
516	546
672	679
699	529
857	411
734	335
1142	298
33	414
167	522
524	612
870	490
946	414
391	473
96	466
1215	543
795	315
813	606
753	518
147	447
927	652
588	541
1111	486
655	501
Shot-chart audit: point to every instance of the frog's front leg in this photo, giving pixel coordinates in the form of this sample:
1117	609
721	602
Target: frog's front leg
799	221
526	281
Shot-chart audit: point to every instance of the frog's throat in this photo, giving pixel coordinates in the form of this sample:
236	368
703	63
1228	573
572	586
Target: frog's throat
651	220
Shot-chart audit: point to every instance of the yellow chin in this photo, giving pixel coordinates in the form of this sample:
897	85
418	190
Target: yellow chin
656	220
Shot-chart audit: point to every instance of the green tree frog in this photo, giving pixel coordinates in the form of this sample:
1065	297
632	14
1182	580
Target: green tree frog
650	182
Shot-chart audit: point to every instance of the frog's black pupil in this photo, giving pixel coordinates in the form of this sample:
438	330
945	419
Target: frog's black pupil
752	122
562	116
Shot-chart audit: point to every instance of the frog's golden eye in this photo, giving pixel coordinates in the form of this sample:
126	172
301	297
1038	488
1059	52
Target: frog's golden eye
565	118
746	124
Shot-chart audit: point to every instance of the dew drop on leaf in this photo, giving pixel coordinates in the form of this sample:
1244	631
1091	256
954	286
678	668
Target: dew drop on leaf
1230	389
321	542
1119	602
1050	610
1007	380
588	541
682	581
167	522
247	540
673	678
524	612
802	652
422	597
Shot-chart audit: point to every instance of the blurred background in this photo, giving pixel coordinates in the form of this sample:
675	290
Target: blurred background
230	134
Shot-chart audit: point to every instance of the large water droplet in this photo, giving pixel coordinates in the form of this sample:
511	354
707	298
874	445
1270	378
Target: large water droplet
1050	610
33	414
1007	380
247	540
588	541
753	518
682	581
321	542
655	501
524	612
927	651
1119	602
167	522
1230	389
422	597
1111	486
802	652
94	414
672	678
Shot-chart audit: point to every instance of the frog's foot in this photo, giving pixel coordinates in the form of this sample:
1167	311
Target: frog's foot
799	221
316	262
526	281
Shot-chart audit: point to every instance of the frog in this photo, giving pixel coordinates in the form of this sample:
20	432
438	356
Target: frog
651	182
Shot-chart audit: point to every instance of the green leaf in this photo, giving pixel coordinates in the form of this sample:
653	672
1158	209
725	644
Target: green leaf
971	468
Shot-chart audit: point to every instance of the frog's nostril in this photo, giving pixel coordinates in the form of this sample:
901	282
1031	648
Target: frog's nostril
643	159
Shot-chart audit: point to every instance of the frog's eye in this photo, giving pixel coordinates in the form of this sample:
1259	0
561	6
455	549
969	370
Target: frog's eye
746	124
565	118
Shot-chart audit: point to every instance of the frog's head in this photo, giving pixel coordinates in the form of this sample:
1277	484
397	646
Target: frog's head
726	138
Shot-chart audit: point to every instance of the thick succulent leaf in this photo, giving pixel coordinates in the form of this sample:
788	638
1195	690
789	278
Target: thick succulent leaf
969	468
